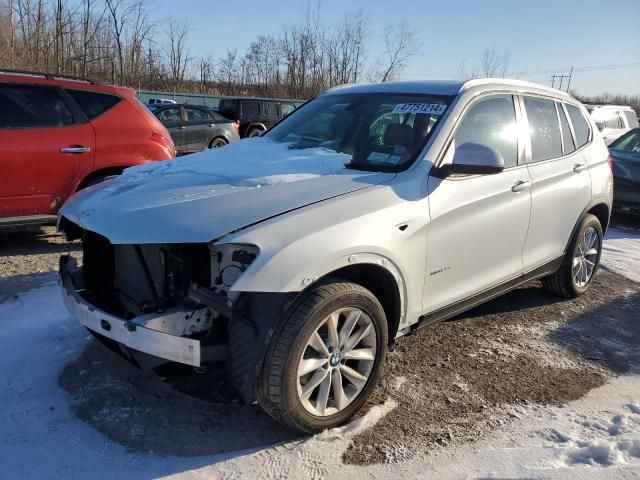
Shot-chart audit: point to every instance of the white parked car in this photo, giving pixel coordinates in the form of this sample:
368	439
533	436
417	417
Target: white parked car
371	211
613	121
161	101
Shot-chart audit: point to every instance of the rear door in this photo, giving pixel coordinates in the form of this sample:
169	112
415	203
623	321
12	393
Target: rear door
200	127
172	119
44	146
561	182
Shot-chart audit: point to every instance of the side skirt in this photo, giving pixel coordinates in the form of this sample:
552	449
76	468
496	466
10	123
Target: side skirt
494	292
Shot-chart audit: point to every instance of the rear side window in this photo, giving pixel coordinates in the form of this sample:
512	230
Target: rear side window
544	128
24	106
491	122
270	109
629	142
567	140
195	114
250	109
580	125
632	119
93	104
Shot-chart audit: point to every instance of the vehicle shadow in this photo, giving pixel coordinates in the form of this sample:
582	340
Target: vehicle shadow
186	415
44	241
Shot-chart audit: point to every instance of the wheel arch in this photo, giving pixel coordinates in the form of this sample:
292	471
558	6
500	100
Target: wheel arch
600	209
116	170
382	284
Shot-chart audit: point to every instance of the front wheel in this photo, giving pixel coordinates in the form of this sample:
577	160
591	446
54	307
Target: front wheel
324	359
581	261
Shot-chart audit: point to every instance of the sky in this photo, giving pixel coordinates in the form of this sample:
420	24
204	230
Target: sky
544	36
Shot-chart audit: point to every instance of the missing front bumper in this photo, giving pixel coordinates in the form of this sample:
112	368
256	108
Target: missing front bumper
133	333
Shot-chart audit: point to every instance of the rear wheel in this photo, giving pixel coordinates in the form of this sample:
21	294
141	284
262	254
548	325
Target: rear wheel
217	142
324	359
580	262
254	132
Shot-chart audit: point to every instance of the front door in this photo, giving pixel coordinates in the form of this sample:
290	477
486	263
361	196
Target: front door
478	223
43	150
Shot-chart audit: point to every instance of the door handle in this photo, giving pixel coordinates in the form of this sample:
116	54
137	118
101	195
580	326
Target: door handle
182	127
579	167
211	125
78	149
521	185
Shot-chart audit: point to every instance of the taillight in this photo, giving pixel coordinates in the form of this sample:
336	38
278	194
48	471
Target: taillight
610	160
236	125
164	142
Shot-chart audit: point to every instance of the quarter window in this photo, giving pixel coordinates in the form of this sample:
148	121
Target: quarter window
544	128
580	125
567	140
491	122
28	106
93	103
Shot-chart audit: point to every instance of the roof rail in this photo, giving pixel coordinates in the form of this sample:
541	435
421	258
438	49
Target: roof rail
50	76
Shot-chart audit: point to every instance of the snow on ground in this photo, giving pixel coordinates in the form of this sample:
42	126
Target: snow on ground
621	252
597	436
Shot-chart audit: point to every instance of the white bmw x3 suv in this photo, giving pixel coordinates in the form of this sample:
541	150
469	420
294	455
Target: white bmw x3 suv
298	257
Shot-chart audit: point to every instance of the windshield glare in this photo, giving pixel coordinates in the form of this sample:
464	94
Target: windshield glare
375	131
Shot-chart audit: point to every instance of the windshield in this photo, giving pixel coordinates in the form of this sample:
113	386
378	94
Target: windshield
375	131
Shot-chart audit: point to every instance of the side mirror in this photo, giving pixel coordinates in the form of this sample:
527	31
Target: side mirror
473	159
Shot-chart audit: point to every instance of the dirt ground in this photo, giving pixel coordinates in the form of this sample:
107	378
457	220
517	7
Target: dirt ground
453	382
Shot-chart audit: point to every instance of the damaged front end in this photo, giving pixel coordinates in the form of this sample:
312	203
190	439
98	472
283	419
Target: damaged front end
158	303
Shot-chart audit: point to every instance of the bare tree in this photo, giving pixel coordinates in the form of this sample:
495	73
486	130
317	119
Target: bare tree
178	53
493	63
401	44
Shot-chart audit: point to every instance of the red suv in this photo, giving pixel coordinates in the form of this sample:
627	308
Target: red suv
61	134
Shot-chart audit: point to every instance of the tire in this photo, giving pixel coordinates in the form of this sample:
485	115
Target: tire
254	132
218	142
281	391
567	281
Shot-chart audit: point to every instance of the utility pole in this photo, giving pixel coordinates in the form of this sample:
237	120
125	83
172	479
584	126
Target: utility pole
561	79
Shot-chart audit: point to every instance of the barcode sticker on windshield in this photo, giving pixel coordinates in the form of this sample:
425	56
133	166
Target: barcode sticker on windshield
430	108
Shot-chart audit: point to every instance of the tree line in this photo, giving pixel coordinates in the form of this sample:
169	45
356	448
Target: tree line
120	42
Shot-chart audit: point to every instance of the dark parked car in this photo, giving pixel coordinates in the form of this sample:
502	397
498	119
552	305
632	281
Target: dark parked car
625	153
255	115
194	128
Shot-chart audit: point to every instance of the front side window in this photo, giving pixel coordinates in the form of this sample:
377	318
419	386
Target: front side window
169	114
580	125
375	131
491	122
612	120
24	106
544	128
629	142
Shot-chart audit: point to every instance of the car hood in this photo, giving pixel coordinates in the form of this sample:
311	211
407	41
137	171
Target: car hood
204	196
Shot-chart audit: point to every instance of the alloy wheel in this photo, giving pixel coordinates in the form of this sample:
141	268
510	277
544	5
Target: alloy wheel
336	362
585	257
